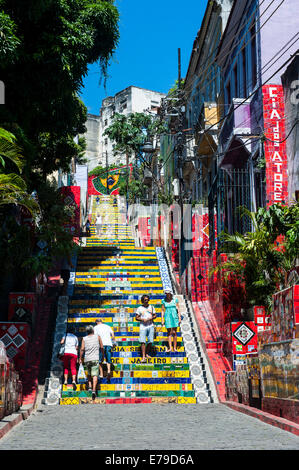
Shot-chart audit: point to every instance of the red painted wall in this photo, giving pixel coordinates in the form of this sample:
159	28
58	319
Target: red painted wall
71	196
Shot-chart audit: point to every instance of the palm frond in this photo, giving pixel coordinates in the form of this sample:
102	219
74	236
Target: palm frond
9	149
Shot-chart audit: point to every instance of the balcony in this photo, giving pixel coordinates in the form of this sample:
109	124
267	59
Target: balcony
211	116
237	123
208	116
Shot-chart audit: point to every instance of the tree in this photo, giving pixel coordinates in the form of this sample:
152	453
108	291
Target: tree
9	41
45	50
100	170
129	132
49	45
135	188
20	245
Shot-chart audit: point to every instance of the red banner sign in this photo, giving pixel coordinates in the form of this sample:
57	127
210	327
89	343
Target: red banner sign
275	145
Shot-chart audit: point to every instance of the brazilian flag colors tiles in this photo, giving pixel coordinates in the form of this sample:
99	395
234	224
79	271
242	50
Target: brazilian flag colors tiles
111	276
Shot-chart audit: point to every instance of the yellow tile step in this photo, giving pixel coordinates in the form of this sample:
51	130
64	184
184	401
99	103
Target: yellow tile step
103	401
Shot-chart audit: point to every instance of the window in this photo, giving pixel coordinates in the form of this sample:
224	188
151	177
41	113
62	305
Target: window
244	70
236	81
228	96
253	56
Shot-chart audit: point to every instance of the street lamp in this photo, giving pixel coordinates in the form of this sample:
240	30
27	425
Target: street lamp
147	147
107	170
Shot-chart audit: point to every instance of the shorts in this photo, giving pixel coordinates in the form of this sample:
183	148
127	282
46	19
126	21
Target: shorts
65	274
92	368
147	332
107	353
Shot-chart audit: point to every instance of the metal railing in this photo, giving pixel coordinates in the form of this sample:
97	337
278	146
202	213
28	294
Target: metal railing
232	190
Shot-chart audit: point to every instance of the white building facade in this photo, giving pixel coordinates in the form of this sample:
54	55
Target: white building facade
130	100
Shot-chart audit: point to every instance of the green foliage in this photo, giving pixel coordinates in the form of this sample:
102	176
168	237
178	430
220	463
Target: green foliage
54	217
128	131
255	258
173	93
49	45
100	170
165	198
9	41
46	47
175	87
136	188
128	134
282	220
13	188
19	252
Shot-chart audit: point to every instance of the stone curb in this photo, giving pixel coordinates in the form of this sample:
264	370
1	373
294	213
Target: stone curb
8	422
268	418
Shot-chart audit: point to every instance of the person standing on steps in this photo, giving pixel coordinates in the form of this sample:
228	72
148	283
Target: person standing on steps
171	318
106	334
70	356
87	227
145	314
65	272
90	350
99	224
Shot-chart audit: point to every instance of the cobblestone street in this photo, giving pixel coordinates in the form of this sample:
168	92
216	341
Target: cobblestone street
145	427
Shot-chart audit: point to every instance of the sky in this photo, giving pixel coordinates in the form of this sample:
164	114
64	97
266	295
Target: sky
151	31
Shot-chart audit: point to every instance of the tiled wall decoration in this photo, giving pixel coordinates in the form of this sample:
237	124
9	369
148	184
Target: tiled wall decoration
111	275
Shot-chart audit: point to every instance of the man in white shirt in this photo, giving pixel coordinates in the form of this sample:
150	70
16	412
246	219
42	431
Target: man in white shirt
106	334
99	223
146	314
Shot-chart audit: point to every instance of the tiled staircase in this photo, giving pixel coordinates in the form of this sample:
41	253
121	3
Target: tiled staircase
111	276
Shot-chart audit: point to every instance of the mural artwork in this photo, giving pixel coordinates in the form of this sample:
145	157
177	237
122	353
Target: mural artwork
102	185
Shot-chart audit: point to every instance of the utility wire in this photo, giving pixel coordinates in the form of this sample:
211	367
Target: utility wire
264	65
260	72
197	77
258	88
225	117
227	31
289	133
262	69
